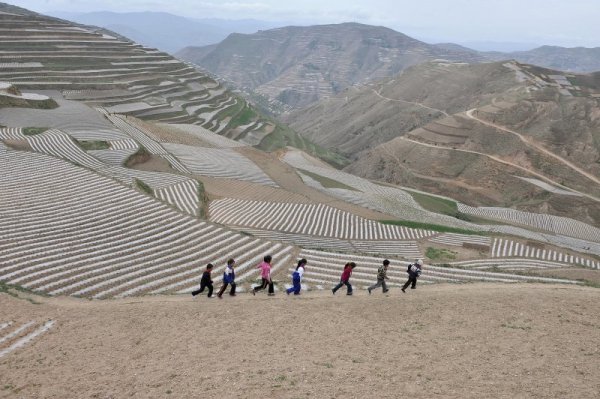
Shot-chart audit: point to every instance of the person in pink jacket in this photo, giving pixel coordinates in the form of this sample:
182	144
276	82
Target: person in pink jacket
265	274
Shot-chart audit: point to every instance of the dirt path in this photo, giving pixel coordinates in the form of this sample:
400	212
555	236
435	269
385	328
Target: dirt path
410	102
528	171
447	341
531	143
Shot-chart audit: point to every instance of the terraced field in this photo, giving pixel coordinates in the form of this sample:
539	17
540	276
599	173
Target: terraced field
555	224
406	249
69	231
575	236
308	219
503	248
219	162
98	67
16	335
460	240
324	270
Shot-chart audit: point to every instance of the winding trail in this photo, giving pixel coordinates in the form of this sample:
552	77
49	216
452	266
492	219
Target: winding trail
528	171
409	102
538	147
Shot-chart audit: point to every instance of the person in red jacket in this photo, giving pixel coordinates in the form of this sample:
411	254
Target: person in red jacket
345	279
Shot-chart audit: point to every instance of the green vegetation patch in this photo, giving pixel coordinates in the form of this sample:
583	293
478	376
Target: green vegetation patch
244	117
93	145
32	131
435	204
433	227
143	187
13	102
590	283
283	136
12	290
202	201
436	254
140	156
327	182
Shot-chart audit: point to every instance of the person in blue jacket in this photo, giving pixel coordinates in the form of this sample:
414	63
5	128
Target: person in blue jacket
297	278
228	278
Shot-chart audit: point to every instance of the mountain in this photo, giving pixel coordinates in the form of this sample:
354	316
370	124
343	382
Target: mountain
300	65
362	117
165	31
577	59
487	134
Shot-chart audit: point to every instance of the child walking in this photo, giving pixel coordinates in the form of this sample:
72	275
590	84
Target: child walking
265	274
205	282
297	278
414	271
228	278
381	277
345	279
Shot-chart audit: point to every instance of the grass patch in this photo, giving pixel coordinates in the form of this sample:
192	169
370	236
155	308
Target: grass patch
93	145
140	185
244	117
435	253
435	204
434	227
283	136
515	327
11	288
327	182
140	156
590	283
32	131
202	201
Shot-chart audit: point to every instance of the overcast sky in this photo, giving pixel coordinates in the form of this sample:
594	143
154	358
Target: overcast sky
558	22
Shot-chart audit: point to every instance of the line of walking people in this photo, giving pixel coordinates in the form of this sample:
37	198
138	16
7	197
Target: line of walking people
206	283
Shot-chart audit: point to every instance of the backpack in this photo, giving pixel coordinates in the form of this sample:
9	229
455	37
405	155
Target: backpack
414	269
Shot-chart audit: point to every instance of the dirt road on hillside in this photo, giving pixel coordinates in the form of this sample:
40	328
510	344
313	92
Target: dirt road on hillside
538	147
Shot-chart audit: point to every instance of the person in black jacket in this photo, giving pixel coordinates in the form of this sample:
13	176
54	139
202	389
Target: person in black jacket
205	282
414	271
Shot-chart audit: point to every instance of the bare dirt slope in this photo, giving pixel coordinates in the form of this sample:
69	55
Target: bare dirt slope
447	341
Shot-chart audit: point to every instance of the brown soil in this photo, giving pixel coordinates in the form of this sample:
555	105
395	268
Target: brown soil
446	341
20	145
170	134
573	273
151	163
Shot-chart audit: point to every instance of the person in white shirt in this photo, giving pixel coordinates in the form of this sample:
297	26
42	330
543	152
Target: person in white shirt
297	278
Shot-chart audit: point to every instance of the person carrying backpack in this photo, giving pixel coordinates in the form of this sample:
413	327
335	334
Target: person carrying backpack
414	271
297	278
345	279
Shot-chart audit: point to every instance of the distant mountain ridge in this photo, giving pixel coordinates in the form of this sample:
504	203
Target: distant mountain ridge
300	65
577	59
165	31
297	66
